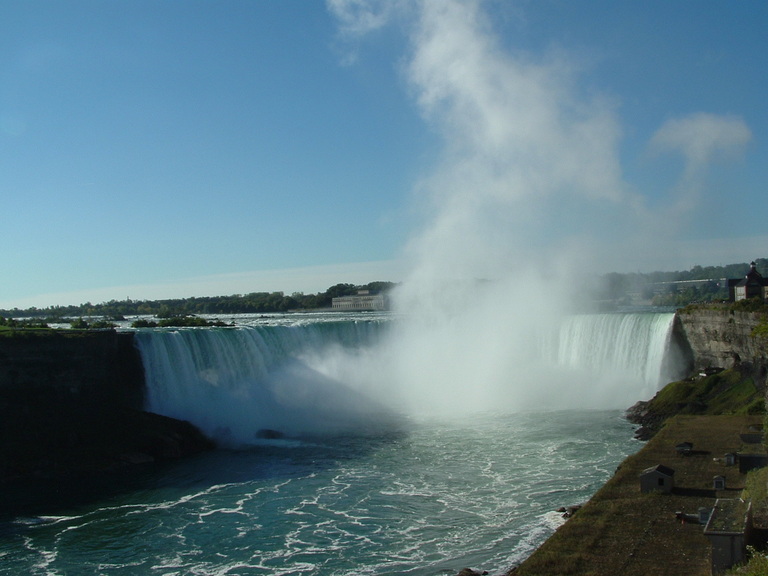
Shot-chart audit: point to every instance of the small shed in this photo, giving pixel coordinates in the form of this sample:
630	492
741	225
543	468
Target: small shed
718	483
728	530
658	478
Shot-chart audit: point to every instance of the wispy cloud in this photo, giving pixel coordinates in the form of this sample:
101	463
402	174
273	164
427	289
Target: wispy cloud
701	139
360	17
357	18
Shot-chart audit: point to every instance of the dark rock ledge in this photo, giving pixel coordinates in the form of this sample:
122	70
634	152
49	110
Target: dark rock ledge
72	417
40	475
130	438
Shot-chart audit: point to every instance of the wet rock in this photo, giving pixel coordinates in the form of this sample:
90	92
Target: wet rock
470	572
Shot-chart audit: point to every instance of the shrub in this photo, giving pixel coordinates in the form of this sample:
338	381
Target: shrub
141	323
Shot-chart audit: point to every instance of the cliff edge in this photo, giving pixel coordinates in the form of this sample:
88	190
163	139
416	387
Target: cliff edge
727	362
723	335
71	405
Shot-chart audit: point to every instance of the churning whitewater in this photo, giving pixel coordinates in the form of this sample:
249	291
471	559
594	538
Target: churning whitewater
477	492
321	472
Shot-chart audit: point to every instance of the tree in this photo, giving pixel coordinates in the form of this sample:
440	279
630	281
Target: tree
341	290
79	324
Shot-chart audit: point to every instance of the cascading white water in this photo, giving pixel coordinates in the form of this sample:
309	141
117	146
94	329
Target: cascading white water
632	344
315	377
235	382
623	356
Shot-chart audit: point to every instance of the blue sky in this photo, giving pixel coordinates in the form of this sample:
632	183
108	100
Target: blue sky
171	149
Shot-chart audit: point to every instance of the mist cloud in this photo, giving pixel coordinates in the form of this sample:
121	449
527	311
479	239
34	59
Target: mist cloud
519	146
528	190
508	120
521	149
530	169
525	154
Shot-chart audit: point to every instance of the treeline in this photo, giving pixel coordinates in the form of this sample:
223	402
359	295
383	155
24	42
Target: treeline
679	288
253	303
658	288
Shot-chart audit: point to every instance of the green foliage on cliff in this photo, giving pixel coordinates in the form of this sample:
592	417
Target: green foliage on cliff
748	305
761	330
757	565
756	487
755	491
728	392
9	325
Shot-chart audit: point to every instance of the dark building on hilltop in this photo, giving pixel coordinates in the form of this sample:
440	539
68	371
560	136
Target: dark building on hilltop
753	285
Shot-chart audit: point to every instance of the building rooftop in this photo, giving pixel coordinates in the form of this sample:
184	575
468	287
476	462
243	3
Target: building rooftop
666	470
729	516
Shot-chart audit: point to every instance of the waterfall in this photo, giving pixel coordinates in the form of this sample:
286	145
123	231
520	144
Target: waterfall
630	347
239	383
236	384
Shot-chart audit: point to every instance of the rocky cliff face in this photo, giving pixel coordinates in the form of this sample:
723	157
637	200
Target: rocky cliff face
71	403
74	370
708	339
721	337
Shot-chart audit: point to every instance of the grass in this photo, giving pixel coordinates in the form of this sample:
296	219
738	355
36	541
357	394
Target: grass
757	565
27	332
728	392
743	395
14	332
756	488
622	531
